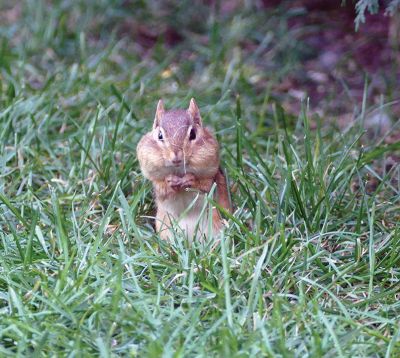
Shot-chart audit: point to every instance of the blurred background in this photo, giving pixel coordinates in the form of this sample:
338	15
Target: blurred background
283	50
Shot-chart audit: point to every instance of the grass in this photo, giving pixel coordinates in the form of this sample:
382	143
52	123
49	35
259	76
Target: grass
309	263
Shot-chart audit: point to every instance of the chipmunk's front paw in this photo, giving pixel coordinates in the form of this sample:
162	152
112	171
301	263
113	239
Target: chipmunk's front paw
188	181
174	182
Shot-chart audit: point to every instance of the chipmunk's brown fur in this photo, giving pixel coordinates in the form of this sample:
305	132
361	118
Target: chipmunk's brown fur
181	158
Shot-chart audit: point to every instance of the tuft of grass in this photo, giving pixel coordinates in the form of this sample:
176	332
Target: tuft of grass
309	261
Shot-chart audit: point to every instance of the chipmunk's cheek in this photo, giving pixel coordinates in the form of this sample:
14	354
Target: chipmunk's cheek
166	159
198	160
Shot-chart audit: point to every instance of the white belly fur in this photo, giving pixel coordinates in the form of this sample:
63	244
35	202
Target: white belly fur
188	219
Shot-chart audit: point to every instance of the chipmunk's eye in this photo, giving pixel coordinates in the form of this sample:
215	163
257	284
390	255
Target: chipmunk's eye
192	135
160	136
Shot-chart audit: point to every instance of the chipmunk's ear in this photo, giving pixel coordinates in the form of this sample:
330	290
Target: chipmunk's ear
194	112
159	113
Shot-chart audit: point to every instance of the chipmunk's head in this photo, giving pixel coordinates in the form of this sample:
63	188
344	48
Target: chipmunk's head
178	144
181	139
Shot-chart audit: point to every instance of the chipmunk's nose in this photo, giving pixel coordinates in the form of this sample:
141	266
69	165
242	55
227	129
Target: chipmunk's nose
176	158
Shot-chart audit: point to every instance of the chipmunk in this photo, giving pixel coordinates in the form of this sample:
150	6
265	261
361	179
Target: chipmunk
181	159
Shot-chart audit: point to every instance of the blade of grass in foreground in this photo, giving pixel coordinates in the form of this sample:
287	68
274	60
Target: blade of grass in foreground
226	278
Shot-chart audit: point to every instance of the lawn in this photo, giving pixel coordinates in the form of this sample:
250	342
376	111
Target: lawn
309	263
